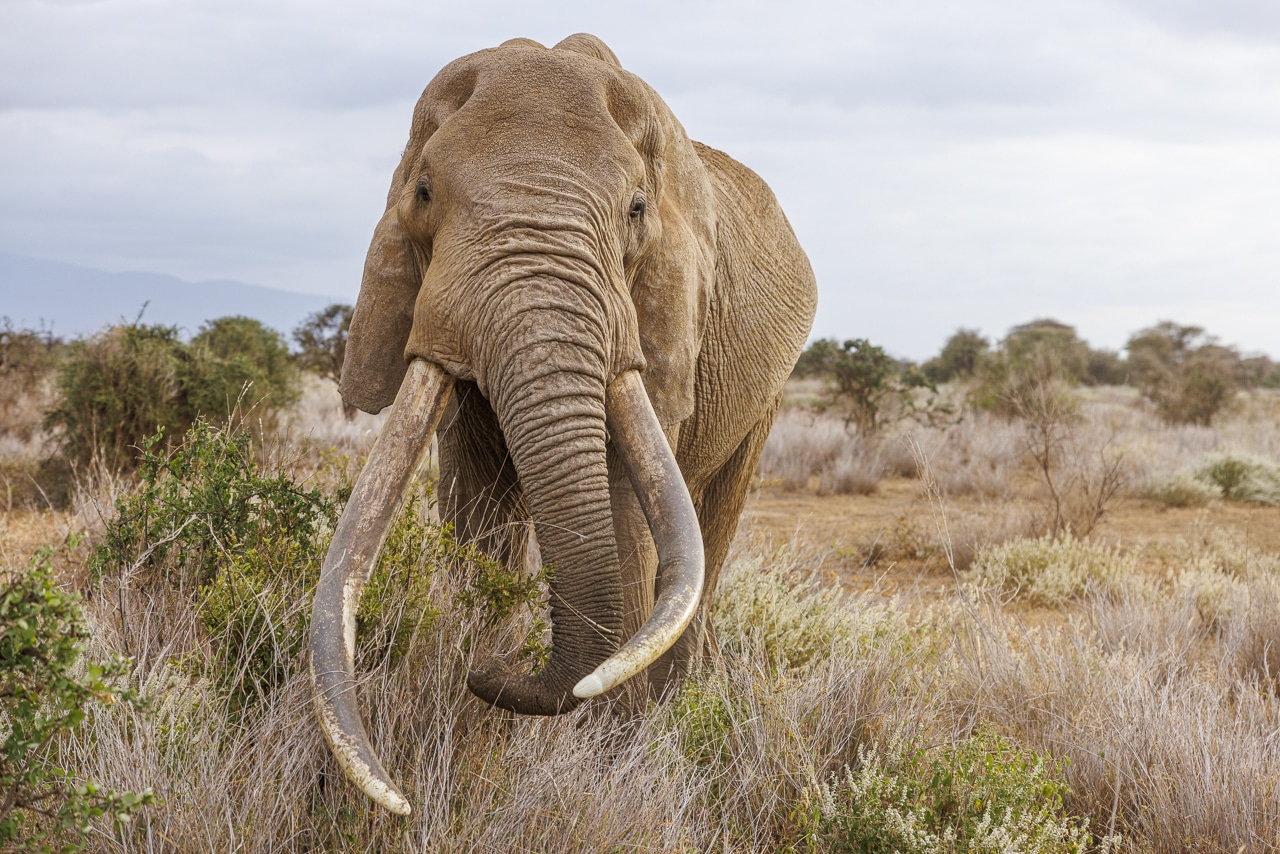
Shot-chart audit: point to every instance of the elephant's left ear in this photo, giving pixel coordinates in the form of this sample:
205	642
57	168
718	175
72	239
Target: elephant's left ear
671	286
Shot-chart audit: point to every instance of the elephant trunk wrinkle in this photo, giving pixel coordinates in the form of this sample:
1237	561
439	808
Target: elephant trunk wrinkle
556	437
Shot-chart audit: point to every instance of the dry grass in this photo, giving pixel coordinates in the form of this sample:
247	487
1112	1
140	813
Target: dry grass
1160	688
1166	711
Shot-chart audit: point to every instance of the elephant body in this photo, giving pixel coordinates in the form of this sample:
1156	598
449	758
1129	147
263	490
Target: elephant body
761	305
607	300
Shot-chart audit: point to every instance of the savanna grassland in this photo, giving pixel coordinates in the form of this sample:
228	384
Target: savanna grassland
1055	628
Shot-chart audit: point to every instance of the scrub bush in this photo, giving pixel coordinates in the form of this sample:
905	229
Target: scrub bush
114	389
243	543
230	354
27	360
1252	480
1230	476
1187	375
960	357
1181	489
246	547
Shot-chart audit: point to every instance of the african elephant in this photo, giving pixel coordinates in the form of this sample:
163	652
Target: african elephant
570	288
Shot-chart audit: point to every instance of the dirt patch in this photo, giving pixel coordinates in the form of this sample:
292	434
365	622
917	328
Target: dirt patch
891	539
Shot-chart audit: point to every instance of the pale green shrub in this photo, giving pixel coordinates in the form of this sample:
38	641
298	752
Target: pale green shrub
1225	553
1050	571
984	794
1181	489
1241	477
1217	597
765	604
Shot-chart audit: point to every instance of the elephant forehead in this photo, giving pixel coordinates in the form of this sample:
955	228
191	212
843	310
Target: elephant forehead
542	105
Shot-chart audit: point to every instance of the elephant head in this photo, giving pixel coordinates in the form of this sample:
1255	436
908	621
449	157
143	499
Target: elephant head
550	237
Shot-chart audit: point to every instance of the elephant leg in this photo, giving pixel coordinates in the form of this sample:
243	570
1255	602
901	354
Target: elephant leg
479	492
719	507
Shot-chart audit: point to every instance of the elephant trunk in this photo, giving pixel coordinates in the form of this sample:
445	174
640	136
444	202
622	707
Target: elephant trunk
549	399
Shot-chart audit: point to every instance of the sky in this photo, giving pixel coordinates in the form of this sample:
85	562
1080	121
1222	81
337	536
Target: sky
945	164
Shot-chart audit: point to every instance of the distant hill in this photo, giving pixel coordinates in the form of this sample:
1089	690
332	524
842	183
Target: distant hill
77	300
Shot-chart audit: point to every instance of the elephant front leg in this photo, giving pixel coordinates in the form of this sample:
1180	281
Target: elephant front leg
719	507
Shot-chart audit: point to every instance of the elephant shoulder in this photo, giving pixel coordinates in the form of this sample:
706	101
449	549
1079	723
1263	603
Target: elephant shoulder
761	309
736	185
759	259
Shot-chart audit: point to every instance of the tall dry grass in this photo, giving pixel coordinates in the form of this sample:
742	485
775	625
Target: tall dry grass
1162	693
986	455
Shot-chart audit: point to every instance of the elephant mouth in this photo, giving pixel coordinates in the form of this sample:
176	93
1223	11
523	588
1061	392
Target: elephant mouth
368	517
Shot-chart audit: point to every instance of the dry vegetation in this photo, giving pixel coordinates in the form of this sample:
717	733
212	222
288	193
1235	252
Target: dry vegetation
1023	690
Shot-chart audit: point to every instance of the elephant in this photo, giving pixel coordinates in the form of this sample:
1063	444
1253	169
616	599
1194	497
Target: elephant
595	316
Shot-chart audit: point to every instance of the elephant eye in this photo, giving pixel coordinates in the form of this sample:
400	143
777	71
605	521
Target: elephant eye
637	207
423	194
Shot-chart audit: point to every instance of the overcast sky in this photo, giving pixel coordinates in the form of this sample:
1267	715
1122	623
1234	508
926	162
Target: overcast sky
945	163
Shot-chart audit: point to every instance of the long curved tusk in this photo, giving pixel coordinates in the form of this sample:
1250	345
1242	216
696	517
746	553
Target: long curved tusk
665	500
353	552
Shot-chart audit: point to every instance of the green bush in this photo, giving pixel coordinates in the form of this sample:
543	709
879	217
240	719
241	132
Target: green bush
115	389
984	794
45	692
1237	477
246	545
1035	359
816	359
118	387
1106	367
1049	349
1181	489
230	354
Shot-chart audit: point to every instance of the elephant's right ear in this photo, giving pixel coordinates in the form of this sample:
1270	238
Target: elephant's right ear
374	366
375	361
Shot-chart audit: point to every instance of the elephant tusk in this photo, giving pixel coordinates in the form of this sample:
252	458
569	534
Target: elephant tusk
665	500
352	555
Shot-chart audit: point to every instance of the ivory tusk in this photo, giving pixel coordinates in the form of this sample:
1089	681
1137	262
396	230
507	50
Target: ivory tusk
665	500
361	531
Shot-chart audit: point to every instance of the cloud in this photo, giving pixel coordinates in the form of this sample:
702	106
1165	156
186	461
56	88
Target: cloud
945	164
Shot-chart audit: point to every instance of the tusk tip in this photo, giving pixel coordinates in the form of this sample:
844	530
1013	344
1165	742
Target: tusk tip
590	686
399	806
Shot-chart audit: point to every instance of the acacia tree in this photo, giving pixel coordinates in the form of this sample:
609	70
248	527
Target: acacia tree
868	383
